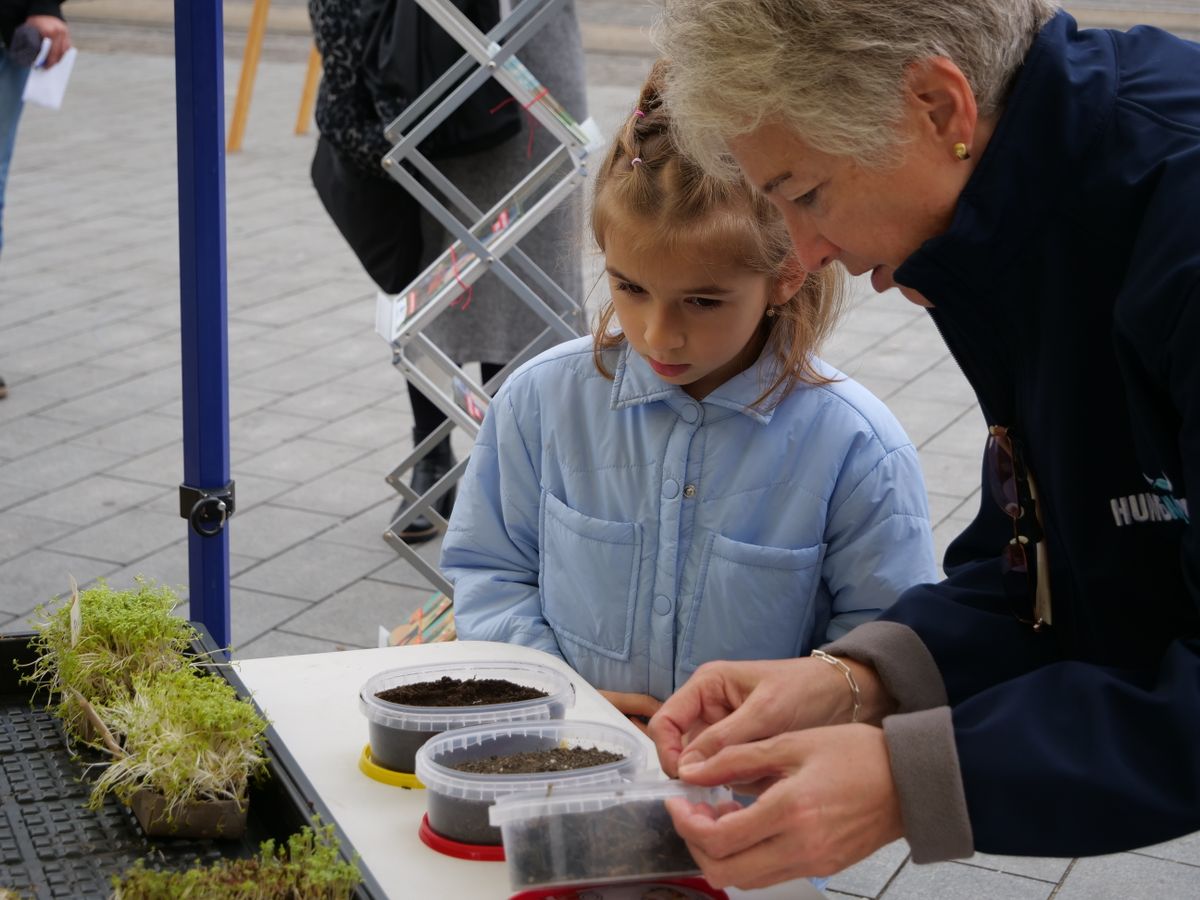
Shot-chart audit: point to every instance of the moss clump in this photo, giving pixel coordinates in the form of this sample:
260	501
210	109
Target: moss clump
121	635
187	736
310	868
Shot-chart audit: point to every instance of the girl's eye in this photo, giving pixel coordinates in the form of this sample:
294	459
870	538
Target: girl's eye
704	302
629	288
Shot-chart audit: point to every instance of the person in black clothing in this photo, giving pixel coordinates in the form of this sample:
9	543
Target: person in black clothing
1034	185
483	149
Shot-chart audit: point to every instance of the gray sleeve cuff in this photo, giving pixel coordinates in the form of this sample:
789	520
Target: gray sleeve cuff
900	659
925	769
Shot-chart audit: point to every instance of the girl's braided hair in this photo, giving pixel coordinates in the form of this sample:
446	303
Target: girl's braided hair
665	201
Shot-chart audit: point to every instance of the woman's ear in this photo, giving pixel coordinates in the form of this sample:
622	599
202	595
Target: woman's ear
941	103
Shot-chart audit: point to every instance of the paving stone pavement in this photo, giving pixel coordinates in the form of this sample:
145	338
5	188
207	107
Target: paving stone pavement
90	436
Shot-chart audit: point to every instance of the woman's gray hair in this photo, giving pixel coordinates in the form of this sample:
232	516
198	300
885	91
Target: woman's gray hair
830	70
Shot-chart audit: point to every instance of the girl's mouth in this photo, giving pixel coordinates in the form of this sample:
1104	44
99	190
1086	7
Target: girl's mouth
665	370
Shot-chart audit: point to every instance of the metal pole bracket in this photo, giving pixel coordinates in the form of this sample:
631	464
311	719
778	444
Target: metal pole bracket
207	509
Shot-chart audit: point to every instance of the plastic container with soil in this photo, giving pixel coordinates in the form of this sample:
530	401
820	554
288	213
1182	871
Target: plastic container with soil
603	834
398	729
458	801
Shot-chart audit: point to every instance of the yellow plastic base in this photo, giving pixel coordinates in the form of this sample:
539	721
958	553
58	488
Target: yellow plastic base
397	779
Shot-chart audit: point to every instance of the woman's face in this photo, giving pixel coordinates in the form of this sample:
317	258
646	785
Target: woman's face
868	219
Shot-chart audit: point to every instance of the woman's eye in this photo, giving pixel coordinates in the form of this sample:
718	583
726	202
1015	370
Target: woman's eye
807	199
704	302
629	288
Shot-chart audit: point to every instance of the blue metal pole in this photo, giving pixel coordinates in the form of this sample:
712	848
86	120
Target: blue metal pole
200	131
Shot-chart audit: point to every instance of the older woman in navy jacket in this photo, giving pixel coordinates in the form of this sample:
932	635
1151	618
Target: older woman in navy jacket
1036	186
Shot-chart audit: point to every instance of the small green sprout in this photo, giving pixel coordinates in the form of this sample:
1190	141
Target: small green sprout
311	868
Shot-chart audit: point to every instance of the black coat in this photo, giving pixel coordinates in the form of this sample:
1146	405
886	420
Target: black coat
14	12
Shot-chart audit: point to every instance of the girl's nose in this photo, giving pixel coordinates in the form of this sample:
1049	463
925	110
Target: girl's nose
662	330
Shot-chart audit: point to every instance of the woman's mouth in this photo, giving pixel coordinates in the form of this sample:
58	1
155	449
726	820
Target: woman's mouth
881	278
665	370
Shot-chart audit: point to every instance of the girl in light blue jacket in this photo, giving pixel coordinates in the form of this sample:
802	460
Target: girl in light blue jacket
696	484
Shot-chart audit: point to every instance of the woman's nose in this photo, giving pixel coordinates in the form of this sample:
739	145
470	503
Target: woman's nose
813	251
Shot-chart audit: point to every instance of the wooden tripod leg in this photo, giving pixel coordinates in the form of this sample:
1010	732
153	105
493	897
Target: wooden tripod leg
241	106
309	95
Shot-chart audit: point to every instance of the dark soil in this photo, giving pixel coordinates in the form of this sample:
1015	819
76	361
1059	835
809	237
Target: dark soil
616	843
396	748
557	759
447	691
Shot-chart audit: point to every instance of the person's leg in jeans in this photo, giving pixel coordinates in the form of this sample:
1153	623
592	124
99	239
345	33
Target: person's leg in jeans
12	86
430	468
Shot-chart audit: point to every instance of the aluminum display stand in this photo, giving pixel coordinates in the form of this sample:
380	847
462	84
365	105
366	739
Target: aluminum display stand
484	241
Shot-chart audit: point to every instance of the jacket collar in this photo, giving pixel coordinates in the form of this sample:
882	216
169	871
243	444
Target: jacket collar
636	384
1060	98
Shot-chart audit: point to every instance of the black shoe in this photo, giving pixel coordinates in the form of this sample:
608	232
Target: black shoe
3	389
426	473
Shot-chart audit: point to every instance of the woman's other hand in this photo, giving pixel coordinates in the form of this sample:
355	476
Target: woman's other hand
826	800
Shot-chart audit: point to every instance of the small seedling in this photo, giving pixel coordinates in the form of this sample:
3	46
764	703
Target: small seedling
310	868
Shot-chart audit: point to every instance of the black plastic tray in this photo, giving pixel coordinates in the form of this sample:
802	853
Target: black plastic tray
52	846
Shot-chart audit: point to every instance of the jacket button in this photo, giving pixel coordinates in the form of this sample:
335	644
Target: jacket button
689	491
670	488
662	604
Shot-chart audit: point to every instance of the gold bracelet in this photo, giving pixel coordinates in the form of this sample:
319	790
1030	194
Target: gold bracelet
845	670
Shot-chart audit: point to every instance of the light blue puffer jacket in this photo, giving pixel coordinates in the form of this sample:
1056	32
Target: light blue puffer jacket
638	533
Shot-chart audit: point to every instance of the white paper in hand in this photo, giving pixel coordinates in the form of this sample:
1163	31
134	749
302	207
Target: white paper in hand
46	87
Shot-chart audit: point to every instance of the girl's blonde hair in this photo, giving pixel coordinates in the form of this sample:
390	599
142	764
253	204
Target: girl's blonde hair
667	202
832	71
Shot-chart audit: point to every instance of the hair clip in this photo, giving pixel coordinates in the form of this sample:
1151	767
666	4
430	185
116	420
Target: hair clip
639	114
635	161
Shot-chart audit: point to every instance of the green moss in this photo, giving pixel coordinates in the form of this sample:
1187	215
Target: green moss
310	868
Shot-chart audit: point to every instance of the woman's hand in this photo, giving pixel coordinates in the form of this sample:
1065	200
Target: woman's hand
728	703
638	707
827	800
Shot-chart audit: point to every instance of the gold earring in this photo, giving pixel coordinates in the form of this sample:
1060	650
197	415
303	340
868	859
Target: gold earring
961	151
771	311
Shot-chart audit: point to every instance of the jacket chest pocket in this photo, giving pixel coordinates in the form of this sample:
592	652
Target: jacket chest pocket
752	602
588	576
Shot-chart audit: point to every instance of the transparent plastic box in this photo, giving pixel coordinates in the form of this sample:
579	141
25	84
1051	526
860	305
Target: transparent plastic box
605	834
458	801
398	730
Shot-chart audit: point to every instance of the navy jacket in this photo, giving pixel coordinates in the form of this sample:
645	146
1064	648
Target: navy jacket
1068	289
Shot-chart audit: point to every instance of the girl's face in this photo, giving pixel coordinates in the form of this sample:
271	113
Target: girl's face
694	317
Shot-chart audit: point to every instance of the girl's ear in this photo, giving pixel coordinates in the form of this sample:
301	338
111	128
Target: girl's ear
791	279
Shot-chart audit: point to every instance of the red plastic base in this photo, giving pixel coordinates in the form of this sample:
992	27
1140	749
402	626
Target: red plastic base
480	852
695	884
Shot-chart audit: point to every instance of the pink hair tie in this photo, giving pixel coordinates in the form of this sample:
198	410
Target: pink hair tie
635	161
639	114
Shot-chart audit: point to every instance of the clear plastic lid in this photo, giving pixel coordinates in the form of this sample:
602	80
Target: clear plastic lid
540	804
560	695
437	756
